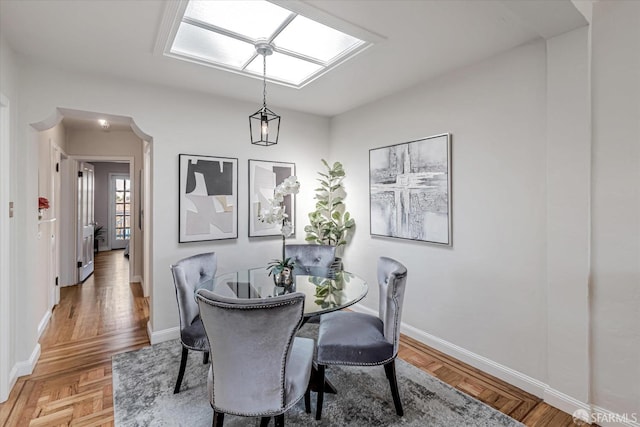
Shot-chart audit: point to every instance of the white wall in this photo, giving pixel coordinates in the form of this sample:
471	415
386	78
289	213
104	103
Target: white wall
568	178
542	284
8	90
486	293
615	257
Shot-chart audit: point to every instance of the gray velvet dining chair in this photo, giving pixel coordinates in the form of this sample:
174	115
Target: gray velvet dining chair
187	273
306	258
359	339
259	368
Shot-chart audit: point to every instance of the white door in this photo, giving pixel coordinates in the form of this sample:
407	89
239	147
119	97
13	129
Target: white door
85	220
119	211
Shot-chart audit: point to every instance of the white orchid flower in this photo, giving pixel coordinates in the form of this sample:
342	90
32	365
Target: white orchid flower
275	212
287	229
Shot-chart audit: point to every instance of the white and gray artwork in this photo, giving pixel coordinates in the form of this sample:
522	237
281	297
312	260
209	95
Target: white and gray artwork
208	198
264	176
410	190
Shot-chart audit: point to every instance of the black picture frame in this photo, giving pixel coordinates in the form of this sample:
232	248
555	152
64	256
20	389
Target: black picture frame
208	198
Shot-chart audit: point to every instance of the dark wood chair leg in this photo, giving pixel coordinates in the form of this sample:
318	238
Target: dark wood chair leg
307	400
218	418
390	370
264	422
205	358
279	420
320	391
183	365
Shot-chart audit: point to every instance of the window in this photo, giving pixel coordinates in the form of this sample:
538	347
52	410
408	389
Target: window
223	34
122	203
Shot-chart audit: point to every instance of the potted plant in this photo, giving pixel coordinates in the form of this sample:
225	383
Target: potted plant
330	223
98	236
282	271
274	213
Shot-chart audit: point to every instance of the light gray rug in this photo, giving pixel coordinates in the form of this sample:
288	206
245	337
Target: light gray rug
143	382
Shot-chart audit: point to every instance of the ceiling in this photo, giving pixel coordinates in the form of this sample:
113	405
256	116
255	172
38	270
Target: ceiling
84	124
419	39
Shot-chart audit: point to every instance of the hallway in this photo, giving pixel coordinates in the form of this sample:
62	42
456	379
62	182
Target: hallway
72	379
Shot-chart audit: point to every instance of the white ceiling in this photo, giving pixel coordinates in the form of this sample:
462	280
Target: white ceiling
420	40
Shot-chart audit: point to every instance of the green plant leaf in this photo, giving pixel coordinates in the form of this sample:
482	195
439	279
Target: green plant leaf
329	222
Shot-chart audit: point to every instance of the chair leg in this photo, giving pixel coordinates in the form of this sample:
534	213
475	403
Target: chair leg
205	358
264	422
183	365
390	370
218	418
307	400
320	390
279	420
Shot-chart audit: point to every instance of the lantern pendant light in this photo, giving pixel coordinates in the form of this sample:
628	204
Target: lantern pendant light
264	124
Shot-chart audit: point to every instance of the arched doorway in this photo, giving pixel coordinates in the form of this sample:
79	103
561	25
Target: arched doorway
73	136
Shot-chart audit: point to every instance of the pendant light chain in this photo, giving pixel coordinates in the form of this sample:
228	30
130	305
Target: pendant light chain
264	82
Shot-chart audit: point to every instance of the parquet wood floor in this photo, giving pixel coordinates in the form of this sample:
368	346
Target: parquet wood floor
72	385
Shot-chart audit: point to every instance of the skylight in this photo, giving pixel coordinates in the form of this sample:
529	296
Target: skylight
223	34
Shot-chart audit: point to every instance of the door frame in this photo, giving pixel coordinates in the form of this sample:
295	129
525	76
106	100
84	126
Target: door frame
5	244
74	215
55	155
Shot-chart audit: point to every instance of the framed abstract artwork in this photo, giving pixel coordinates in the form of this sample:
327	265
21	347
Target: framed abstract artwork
410	190
208	201
264	176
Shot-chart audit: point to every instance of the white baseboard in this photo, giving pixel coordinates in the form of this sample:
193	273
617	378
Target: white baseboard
529	384
25	367
11	381
137	279
564	402
606	418
21	369
163	335
43	323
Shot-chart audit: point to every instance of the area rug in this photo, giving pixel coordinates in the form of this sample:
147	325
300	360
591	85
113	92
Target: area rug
143	382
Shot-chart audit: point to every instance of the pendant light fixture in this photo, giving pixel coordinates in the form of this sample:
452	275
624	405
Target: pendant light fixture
264	124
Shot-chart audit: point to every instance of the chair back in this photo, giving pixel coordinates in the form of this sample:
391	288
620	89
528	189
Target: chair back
187	273
392	278
253	339
310	257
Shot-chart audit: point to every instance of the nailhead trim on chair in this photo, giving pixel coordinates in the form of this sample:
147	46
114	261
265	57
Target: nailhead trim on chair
229	306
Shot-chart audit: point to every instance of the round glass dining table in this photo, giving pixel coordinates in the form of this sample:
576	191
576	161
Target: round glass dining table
325	290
